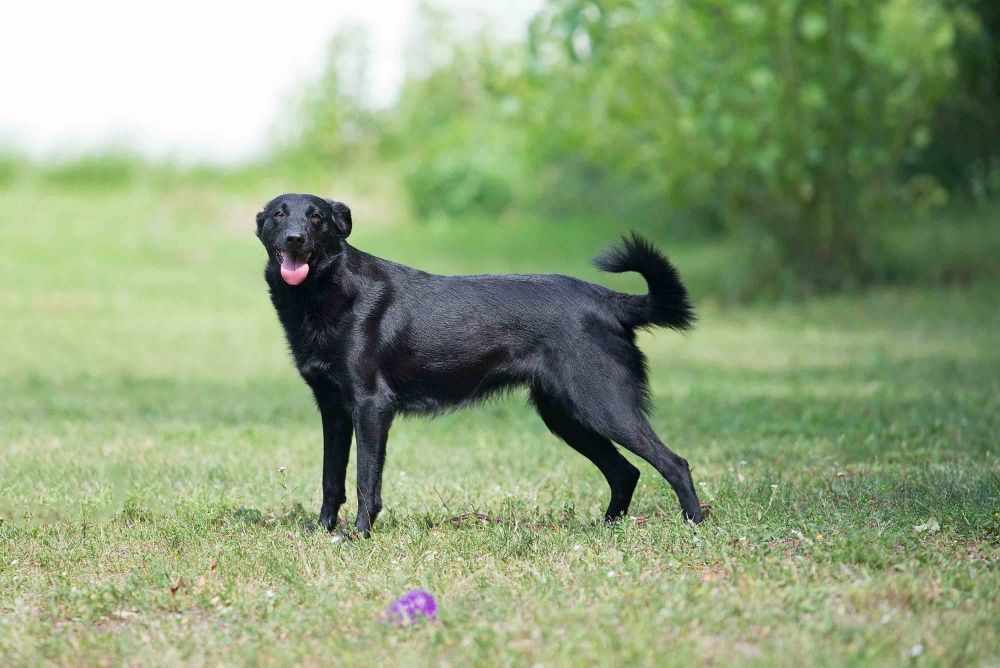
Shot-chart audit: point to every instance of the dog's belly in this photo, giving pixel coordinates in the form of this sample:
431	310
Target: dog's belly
427	380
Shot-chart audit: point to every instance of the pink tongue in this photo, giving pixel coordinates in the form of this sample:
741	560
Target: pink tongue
293	270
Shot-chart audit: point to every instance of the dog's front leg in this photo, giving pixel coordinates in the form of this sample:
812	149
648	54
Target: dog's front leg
337	429
371	424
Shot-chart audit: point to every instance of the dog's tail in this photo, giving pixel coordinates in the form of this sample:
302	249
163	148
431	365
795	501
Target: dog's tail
667	303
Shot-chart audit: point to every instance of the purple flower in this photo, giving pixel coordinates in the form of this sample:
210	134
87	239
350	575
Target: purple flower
411	607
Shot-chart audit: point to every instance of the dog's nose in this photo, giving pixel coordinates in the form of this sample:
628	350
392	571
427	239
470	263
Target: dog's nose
294	240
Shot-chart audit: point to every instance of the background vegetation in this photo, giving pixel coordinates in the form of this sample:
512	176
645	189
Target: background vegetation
823	140
800	130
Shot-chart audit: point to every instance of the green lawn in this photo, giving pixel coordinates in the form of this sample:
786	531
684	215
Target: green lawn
160	465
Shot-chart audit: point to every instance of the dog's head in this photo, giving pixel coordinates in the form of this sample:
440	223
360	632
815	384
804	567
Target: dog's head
298	230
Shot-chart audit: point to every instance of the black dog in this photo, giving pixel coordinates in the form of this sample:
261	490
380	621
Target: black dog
373	338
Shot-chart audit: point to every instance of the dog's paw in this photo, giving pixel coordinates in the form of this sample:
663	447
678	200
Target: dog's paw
359	532
327	521
700	516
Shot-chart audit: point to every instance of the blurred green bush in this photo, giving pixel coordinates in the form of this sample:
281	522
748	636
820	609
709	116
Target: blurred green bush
795	126
94	171
787	120
964	149
815	140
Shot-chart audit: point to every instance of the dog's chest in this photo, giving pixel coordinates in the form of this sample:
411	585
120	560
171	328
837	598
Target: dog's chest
317	343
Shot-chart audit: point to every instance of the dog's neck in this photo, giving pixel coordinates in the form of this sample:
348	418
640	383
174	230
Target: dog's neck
328	290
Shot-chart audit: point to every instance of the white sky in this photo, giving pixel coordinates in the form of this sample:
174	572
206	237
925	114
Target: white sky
195	80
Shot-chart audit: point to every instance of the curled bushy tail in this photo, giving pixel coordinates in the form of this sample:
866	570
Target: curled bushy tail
667	303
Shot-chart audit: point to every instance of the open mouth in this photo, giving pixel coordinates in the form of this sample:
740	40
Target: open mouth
294	266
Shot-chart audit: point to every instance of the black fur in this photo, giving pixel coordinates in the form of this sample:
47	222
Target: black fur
667	303
373	338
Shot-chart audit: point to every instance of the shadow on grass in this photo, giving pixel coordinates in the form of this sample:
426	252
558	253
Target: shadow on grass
289	516
857	411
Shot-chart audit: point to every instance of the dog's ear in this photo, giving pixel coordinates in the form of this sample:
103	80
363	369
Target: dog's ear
260	221
341	217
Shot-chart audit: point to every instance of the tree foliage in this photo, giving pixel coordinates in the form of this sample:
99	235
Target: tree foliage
335	119
964	152
795	124
785	117
455	139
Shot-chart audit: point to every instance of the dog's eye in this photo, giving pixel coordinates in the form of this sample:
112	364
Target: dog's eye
314	217
278	215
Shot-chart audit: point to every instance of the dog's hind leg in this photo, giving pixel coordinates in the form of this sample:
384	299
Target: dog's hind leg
634	433
620	474
371	426
607	397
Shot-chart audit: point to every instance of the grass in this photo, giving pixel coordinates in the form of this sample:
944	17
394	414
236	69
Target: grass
160	461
